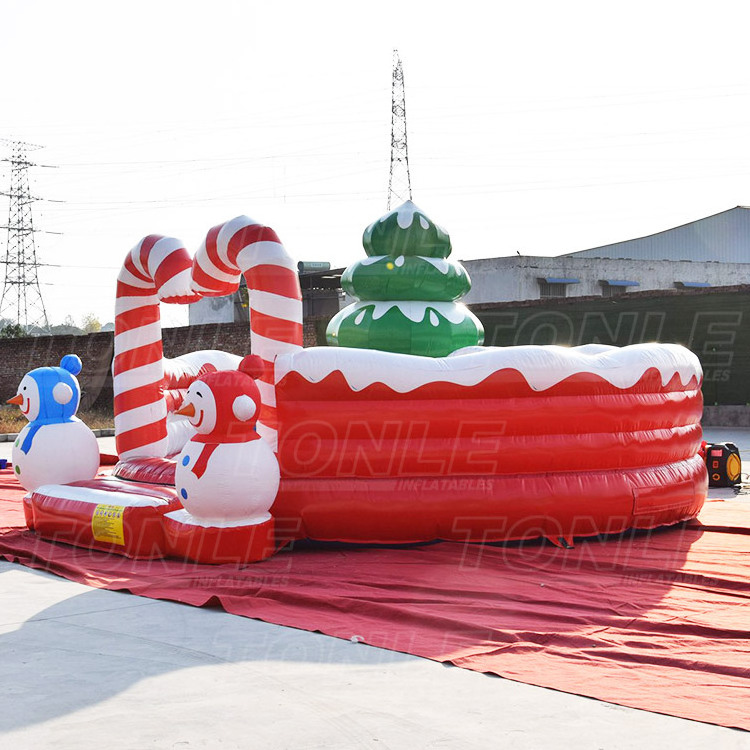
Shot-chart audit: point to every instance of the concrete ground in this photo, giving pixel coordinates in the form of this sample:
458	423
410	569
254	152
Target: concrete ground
86	668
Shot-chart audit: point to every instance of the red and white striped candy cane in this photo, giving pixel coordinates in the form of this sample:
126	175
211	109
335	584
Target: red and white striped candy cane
244	247
156	269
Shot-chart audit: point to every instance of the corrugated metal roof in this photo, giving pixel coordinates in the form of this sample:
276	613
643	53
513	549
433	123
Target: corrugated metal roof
723	237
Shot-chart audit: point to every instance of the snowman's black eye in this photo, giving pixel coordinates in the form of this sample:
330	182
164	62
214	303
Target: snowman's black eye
198	393
24	387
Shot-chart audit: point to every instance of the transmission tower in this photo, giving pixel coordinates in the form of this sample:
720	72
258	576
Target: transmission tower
399	184
21	301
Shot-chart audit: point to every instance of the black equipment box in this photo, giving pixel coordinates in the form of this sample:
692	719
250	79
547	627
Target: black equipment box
724	464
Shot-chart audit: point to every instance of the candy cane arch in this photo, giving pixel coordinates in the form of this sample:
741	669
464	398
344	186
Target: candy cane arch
244	247
156	269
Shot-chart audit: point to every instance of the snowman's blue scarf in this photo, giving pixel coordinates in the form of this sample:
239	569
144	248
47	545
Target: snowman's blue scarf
34	427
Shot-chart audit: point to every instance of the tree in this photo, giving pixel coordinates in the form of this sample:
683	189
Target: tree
91	324
12	331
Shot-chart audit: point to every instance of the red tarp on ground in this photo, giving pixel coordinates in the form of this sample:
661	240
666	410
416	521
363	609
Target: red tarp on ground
657	621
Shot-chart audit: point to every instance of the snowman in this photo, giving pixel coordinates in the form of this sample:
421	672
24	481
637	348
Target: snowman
226	474
55	447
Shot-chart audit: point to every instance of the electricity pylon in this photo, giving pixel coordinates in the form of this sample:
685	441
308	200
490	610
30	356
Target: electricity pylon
21	302
399	184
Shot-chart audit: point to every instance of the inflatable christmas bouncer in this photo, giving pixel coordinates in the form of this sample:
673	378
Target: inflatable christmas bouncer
403	429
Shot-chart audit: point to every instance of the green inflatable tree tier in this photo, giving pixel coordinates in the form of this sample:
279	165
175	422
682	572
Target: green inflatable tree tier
406	291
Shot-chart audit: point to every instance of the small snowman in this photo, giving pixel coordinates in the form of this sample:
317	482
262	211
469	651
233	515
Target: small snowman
226	475
55	447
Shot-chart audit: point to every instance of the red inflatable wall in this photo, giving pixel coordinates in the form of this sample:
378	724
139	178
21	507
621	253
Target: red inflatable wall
494	461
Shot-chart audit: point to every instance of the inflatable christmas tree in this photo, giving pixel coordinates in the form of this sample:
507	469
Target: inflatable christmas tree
406	291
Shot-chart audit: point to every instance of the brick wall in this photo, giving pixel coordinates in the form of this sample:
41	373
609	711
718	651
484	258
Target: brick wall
18	356
714	323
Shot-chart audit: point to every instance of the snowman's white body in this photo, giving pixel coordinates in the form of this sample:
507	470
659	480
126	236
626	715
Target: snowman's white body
238	486
60	453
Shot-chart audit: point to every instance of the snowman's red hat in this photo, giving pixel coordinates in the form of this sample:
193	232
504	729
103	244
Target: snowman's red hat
237	401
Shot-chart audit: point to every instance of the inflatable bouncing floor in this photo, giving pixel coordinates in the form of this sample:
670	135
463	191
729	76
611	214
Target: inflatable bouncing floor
403	429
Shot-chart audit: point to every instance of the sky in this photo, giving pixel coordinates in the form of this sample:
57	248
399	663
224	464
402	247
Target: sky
537	127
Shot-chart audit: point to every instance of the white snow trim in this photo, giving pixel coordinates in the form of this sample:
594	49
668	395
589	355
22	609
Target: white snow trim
405	214
182	516
119	497
441	264
542	366
415	311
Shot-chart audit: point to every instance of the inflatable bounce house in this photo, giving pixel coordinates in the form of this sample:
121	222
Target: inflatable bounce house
404	429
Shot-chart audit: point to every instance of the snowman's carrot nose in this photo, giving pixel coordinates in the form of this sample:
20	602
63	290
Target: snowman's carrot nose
187	411
17	399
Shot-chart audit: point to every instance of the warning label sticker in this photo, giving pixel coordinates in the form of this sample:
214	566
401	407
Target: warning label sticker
106	524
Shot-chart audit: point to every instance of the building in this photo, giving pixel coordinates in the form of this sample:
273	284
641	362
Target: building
714	251
534	277
709	252
321	296
230	309
321	289
721	238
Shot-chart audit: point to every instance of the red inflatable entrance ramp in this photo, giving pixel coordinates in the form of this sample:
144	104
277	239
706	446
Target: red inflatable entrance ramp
105	514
